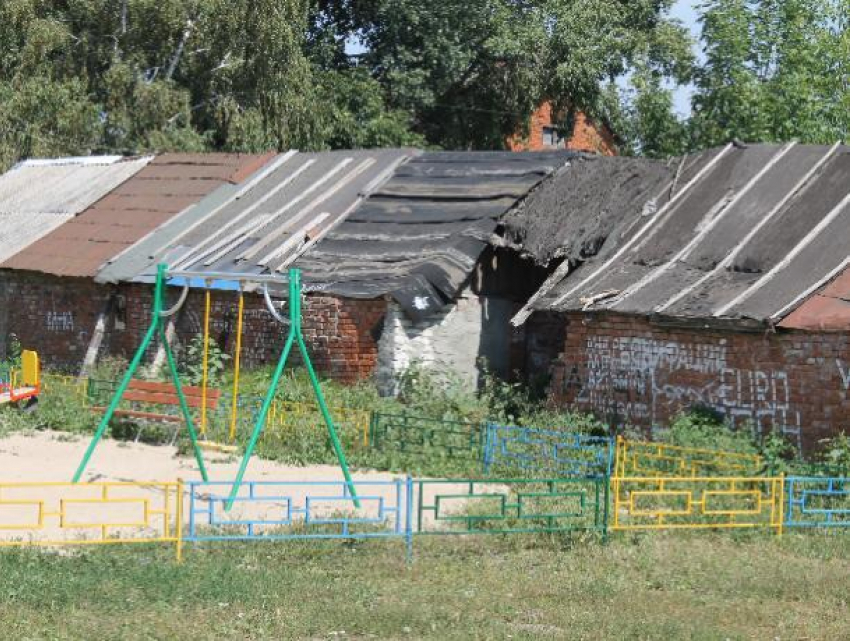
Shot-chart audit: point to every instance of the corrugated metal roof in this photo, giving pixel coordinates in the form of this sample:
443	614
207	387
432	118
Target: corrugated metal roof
749	234
419	236
37	196
164	187
263	224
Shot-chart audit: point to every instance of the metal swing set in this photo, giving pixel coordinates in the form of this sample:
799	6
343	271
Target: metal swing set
158	328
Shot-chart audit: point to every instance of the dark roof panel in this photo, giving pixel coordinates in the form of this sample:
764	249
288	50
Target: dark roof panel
750	233
419	236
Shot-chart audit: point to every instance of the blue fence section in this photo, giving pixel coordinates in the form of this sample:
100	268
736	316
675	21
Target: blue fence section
509	447
817	502
270	510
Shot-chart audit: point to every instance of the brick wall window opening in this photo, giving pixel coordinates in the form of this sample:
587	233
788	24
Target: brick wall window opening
552	138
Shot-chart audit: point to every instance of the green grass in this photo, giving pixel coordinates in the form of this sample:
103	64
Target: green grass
684	586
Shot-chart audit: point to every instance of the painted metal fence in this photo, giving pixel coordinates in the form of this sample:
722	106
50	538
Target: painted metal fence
291	510
455	440
817	502
504	506
641	459
657	503
511	448
59	514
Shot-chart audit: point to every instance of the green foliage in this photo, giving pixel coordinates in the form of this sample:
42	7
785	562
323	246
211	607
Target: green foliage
703	428
774	71
191	362
777	453
836	454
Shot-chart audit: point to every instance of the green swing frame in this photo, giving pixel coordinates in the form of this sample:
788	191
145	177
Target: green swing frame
295	335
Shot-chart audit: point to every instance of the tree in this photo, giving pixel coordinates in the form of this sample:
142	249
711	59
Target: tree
775	70
471	72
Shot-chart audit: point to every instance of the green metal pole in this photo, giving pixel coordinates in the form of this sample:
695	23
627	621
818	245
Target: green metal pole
187	416
134	365
295	320
261	419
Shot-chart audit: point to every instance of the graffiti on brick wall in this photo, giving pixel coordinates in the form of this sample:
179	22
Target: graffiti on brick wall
642	380
60	321
844	372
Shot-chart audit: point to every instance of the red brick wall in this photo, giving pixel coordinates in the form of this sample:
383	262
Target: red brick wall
586	135
629	371
56	316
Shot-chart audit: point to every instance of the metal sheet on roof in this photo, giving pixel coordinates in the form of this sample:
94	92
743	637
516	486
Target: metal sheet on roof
260	226
37	196
419	236
165	186
751	235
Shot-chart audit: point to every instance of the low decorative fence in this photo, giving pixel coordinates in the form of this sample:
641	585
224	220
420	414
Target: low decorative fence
509	447
817	502
59	514
655	503
505	506
455	440
287	510
641	459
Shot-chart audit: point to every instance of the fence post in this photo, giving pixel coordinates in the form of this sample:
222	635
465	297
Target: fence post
408	520
781	504
179	523
487	457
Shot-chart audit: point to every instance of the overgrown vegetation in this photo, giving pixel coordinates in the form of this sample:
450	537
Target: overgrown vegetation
433	402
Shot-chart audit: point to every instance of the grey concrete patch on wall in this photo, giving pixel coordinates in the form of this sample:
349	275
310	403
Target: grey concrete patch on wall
451	340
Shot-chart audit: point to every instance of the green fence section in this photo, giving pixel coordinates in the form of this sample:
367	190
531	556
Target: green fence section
504	506
455	440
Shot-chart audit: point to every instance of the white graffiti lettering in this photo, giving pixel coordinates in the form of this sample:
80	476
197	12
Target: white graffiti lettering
634	379
60	321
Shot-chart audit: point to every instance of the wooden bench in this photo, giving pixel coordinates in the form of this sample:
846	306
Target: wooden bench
162	394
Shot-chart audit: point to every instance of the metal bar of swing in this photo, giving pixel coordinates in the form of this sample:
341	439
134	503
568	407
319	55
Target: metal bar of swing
231	276
293	336
155	328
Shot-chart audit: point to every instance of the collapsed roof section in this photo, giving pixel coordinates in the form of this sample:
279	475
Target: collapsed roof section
37	196
261	225
597	198
165	186
749	233
419	236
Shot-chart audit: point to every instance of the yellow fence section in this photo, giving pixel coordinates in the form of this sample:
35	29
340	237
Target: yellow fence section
61	384
47	514
657	503
283	413
640	458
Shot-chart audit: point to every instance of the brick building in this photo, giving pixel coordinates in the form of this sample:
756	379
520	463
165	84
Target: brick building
546	133
727	289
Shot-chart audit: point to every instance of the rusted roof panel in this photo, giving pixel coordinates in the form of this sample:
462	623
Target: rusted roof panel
169	184
828	310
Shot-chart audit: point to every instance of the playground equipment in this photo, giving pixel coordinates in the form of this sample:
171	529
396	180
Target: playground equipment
24	385
157	327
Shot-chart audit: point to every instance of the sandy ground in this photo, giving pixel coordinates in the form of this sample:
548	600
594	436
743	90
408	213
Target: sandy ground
38	503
